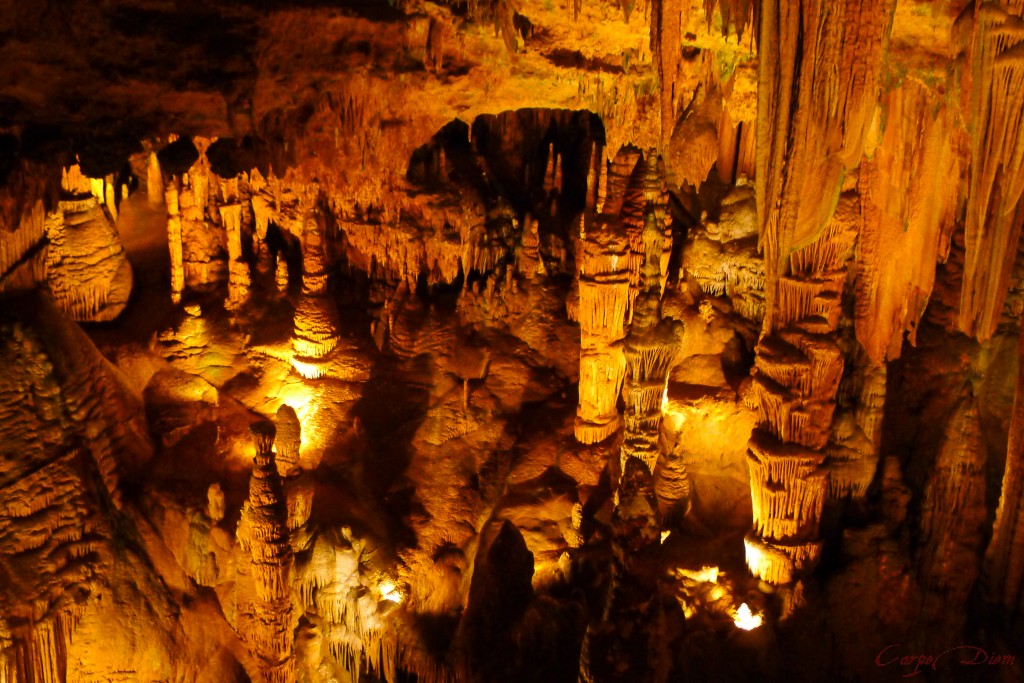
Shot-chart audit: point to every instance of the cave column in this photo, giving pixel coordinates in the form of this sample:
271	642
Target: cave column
818	70
174	242
238	270
154	180
603	298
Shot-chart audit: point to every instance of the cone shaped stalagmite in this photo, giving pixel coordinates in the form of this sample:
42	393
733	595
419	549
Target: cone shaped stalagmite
264	534
952	518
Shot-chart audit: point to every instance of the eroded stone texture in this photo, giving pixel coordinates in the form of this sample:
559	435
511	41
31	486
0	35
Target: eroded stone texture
550	305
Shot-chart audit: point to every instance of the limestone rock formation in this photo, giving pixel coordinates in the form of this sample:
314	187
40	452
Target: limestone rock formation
587	331
263	532
86	267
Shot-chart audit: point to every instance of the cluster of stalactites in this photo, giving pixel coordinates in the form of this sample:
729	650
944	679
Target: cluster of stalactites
42	654
797	371
994	213
818	71
264	534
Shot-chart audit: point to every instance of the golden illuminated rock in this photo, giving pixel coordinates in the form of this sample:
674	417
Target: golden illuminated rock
559	311
174	243
263	532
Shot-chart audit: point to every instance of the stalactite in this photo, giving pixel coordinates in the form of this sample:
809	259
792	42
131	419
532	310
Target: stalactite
994	103
1004	558
909	206
668	18
263	534
174	242
819	66
26	236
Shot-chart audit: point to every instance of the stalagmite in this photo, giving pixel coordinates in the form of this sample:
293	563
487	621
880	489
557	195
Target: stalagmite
263	533
174	242
215	503
952	516
86	266
289	437
1004	558
528	259
798	368
651	345
238	270
611	256
853	446
281	272
604	298
154	180
316	315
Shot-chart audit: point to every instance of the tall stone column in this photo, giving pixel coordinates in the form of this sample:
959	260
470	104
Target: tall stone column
239	280
263	533
174	242
819	65
154	180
